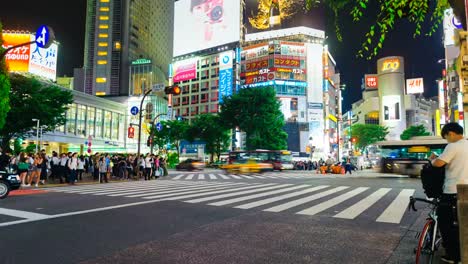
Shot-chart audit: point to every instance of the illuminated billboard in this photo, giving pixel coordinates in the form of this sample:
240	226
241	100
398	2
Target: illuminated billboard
391	107
265	15
185	70
414	86
204	24
30	58
371	81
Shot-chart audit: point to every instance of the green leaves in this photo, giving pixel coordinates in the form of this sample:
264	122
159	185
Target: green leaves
368	134
414	131
4	87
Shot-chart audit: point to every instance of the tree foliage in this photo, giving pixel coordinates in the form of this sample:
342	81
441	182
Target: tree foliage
4	87
257	112
414	131
31	99
208	128
389	13
366	134
173	132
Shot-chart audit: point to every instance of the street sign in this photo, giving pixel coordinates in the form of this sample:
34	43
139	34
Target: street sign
159	126
44	37
134	110
169	112
158	87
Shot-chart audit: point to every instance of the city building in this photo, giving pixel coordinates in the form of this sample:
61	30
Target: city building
119	34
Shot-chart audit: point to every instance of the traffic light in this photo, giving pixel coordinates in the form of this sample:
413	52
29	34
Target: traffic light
131	132
353	140
149	142
174	89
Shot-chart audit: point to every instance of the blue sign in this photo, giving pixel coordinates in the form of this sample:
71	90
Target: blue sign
191	147
159	127
43	35
225	83
134	110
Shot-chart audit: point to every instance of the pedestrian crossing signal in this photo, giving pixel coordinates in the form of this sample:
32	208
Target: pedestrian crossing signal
174	89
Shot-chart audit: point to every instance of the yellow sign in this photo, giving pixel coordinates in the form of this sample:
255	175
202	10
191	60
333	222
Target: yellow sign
333	118
418	149
391	65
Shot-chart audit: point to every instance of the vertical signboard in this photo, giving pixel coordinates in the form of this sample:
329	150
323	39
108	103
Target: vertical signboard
225	74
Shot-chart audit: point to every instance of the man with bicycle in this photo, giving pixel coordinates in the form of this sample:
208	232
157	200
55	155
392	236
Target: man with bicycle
454	158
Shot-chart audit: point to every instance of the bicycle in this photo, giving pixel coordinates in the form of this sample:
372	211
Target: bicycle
429	238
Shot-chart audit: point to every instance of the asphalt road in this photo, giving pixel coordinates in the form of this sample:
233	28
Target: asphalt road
193	217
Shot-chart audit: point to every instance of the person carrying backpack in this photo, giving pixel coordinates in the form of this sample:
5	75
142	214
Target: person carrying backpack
456	172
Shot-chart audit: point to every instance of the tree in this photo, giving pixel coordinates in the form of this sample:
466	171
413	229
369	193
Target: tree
208	129
414	131
173	132
389	13
366	135
31	99
4	86
256	111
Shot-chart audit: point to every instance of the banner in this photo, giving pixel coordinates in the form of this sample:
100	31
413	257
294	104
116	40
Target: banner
225	74
185	70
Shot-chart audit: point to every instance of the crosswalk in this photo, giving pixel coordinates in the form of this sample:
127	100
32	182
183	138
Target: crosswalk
388	205
222	176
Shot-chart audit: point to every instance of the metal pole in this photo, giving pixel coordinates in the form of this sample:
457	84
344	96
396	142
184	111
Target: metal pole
37	135
40	141
139	122
152	131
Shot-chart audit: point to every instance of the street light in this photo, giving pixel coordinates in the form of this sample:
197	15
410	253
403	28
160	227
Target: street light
37	133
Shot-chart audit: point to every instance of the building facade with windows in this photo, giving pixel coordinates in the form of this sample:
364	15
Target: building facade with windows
120	32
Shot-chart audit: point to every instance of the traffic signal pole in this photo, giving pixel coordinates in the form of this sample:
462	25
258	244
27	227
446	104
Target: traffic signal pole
139	122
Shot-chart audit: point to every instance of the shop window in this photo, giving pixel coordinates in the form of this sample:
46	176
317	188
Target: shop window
71	119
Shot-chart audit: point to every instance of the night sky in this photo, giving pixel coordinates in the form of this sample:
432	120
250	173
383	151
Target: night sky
67	18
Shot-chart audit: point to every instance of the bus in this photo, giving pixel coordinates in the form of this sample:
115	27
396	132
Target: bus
280	159
407	157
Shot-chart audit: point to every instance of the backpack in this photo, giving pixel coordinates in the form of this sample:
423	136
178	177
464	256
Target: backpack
432	179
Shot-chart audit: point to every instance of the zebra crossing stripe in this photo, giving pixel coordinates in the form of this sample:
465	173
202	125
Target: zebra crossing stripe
236	194
178	177
22	214
124	188
194	187
190	176
197	190
246	176
235	176
150	190
136	189
212	192
213	177
201	176
304	200
357	209
104	187
397	208
249	197
224	176
260	177
279	198
332	202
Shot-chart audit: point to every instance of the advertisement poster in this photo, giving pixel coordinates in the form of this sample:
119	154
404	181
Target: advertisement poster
371	81
185	70
17	60
265	15
225	74
203	24
391	107
414	86
43	62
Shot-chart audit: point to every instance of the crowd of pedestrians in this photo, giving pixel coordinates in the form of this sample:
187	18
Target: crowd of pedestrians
40	168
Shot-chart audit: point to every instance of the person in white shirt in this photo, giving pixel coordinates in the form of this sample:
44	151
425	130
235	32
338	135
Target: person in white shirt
80	168
454	158
73	165
148	163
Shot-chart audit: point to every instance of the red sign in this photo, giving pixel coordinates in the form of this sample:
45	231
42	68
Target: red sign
255	65
185	70
260	78
131	132
371	81
283	61
460	116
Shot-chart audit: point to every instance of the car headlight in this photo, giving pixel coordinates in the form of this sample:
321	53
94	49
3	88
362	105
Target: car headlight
14	177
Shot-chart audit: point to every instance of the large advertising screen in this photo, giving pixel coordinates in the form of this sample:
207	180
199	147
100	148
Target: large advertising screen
185	70
203	24
265	15
391	107
30	58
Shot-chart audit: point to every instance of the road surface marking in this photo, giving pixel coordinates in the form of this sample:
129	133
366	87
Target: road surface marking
358	208
397	208
235	176
201	176
178	177
213	177
183	189
22	214
332	202
236	194
190	176
213	192
249	197
304	200
279	198
224	176
197	190
149	191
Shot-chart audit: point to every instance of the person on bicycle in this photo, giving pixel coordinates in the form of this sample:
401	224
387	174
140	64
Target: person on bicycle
456	172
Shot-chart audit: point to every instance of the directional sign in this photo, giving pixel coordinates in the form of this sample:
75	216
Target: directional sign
169	112
159	126
134	110
157	87
44	37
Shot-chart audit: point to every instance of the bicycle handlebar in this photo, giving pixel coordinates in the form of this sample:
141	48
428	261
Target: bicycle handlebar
414	199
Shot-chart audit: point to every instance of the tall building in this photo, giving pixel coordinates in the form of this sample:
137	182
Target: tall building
119	35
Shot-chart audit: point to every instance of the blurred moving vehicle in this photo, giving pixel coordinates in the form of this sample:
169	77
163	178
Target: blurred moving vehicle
8	182
279	159
247	166
190	165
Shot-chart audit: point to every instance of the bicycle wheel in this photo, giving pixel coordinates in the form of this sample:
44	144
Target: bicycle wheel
424	252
